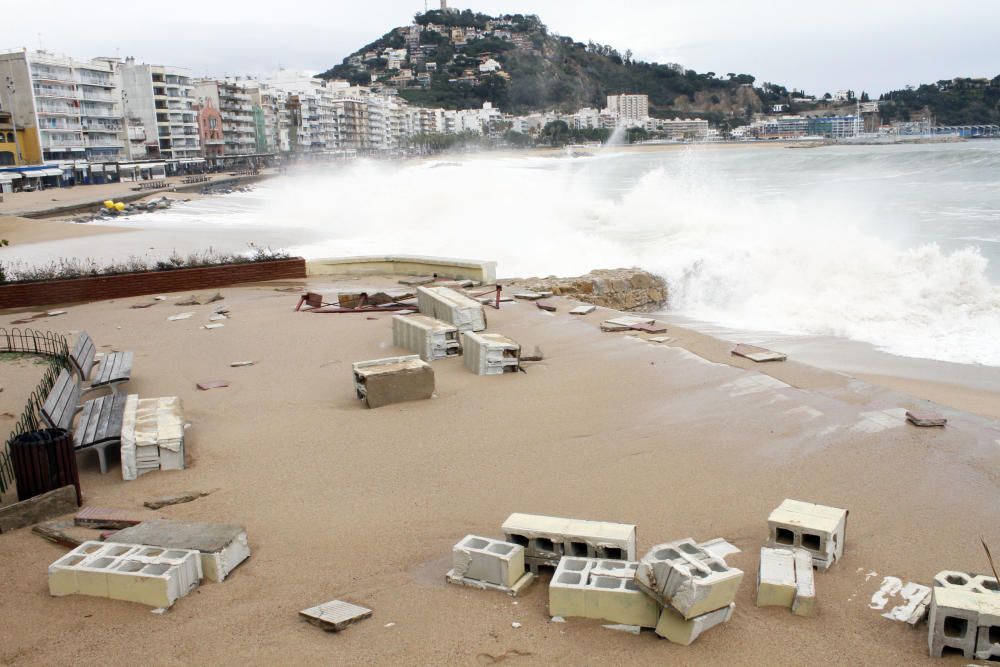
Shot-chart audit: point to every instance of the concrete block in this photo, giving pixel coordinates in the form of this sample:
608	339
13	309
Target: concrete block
984	584
447	305
818	529
578	590
490	354
395	380
679	630
953	624
486	560
426	337
222	546
130	572
547	539
683	575
785	579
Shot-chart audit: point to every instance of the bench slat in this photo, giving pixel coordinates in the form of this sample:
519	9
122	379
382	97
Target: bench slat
61	403
101	421
84	353
116	367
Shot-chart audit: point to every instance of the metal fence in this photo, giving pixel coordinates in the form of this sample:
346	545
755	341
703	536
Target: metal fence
54	347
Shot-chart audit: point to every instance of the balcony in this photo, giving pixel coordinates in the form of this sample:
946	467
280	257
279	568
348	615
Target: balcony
98	96
43	73
101	127
103	143
91	80
58	109
64	92
51	142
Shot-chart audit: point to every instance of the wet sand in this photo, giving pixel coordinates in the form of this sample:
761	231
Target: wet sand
364	505
25	230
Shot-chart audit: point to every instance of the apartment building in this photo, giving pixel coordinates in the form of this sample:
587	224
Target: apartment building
233	101
65	111
160	98
629	109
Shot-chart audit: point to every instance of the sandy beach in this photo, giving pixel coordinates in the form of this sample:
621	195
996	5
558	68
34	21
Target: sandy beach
681	439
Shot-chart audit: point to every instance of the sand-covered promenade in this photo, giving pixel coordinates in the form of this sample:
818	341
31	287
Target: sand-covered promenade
339	501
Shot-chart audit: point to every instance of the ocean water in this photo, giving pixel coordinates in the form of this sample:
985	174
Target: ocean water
895	246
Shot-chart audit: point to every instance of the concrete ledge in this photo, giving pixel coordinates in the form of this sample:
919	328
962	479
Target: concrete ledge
404	265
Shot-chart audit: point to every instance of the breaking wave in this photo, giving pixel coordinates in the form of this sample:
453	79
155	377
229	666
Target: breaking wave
796	251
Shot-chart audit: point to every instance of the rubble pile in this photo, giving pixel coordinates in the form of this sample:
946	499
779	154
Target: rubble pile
110	209
620	289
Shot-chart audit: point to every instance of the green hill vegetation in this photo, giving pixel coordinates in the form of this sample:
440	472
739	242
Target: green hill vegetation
956	102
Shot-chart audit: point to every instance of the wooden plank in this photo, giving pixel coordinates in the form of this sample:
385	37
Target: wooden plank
88	422
113	429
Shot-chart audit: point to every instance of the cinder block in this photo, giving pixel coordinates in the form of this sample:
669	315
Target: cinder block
953	622
130	572
679	630
988	636
490	561
222	546
395	380
424	336
490	354
547	539
447	305
818	529
954	579
578	590
984	584
785	579
688	578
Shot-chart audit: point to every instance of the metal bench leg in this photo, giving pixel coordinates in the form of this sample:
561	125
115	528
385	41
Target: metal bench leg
102	458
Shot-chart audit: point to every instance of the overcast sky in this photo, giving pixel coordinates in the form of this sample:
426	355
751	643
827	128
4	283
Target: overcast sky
871	45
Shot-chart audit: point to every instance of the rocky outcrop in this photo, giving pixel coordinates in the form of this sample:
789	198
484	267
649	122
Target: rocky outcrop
622	289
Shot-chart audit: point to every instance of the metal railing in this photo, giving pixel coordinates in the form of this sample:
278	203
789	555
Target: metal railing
50	345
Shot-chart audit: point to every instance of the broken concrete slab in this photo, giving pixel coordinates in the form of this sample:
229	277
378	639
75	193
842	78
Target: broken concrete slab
546	306
38	509
106	518
818	529
181	316
758	354
683	575
223	546
583	310
673	627
528	295
925	418
785	579
130	572
175	499
149	304
915	600
383	382
336	615
216	325
416	281
720	547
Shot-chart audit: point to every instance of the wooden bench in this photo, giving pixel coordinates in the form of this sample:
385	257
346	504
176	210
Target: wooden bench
114	369
100	423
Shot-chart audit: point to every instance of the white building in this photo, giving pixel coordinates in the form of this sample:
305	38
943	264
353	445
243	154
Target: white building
161	98
67	111
629	109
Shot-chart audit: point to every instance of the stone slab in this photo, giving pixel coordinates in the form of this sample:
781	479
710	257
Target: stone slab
38	509
223	546
103	517
336	615
758	354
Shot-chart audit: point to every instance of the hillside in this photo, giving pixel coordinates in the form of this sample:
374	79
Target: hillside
956	102
459	60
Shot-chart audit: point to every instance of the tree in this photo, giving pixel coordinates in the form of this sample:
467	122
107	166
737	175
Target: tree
555	133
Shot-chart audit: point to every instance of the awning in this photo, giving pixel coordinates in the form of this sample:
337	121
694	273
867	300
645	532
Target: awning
111	168
47	172
155	165
9	176
96	168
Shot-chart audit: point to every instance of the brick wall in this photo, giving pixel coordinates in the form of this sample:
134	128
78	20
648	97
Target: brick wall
22	295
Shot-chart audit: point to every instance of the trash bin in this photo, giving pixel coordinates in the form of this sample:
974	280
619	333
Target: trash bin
44	461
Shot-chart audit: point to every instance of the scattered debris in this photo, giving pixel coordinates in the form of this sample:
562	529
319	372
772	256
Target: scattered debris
218	317
175	499
683	576
217	325
148	304
536	356
196	300
916	598
242	364
394	380
55	532
515	625
38	508
626	323
558	619
720	548
447	305
925	418
417	281
336	615
758	354
546	306
389	625
181	316
54	313
212	384
190	301
528	295
222	546
425	336
152	436
159	298
630	629
963	616
549	537
104	518
578	590
631	290
583	310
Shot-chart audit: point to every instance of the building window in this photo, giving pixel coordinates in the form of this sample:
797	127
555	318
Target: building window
213	123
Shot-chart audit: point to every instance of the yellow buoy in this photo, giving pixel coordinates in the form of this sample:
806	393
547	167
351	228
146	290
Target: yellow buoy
119	207
109	204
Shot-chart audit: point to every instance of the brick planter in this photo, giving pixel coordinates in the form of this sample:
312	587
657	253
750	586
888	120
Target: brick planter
100	288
